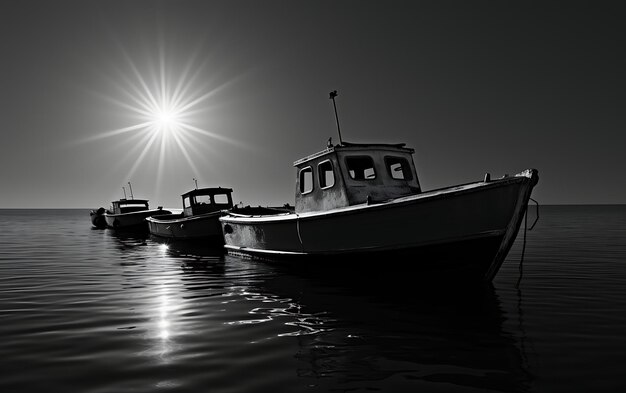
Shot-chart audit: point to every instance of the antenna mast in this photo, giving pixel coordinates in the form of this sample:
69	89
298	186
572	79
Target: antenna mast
196	181
131	191
333	94
124	189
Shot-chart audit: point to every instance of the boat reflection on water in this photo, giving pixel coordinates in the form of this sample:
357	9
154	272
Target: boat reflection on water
330	329
126	240
198	250
194	249
351	333
383	337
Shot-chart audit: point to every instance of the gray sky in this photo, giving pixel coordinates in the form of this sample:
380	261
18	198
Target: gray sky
473	86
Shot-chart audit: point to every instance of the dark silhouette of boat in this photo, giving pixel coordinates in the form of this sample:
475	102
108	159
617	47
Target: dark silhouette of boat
199	219
130	214
97	218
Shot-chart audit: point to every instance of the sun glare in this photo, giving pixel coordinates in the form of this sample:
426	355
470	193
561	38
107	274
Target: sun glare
165	120
169	105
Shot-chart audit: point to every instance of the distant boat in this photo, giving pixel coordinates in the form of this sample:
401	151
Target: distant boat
364	202
199	219
97	218
130	214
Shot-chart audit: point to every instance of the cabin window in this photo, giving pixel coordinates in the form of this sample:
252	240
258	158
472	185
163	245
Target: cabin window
361	167
306	180
203	199
131	206
186	201
220	199
398	168
326	174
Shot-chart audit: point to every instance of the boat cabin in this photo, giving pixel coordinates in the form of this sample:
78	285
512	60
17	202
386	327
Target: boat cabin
129	205
206	200
350	174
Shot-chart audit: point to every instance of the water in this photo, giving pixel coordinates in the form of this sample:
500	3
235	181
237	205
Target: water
85	310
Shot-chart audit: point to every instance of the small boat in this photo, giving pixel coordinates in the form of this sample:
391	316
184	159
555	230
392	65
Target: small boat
130	214
357	203
97	218
199	219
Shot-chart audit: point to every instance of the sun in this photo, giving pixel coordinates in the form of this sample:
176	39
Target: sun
168	111
164	108
165	120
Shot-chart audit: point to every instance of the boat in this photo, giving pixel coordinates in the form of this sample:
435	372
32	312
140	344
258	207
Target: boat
130	214
97	218
364	202
359	204
199	219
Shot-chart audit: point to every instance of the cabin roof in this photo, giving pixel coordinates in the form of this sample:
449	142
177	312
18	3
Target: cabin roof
128	201
356	146
207	191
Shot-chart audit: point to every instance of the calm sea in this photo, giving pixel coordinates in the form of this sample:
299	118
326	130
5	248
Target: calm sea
84	310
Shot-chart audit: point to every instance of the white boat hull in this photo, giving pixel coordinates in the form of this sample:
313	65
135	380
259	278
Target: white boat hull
467	228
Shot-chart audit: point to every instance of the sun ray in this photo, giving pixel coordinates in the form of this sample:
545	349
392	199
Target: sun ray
139	159
186	155
198	148
213	135
159	175
185	107
142	105
111	133
134	91
142	139
186	96
184	82
164	105
146	89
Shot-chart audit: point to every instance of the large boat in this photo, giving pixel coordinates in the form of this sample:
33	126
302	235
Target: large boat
199	219
364	202
130	214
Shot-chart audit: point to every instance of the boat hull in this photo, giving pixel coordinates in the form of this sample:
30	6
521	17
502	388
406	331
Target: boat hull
199	227
133	220
466	229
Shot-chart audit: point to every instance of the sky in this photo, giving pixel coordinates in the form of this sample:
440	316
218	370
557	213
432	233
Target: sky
95	95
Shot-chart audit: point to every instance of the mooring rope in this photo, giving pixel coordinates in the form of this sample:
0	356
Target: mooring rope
298	230
526	229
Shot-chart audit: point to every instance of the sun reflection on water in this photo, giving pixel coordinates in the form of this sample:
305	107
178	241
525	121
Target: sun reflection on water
162	332
163	249
164	323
